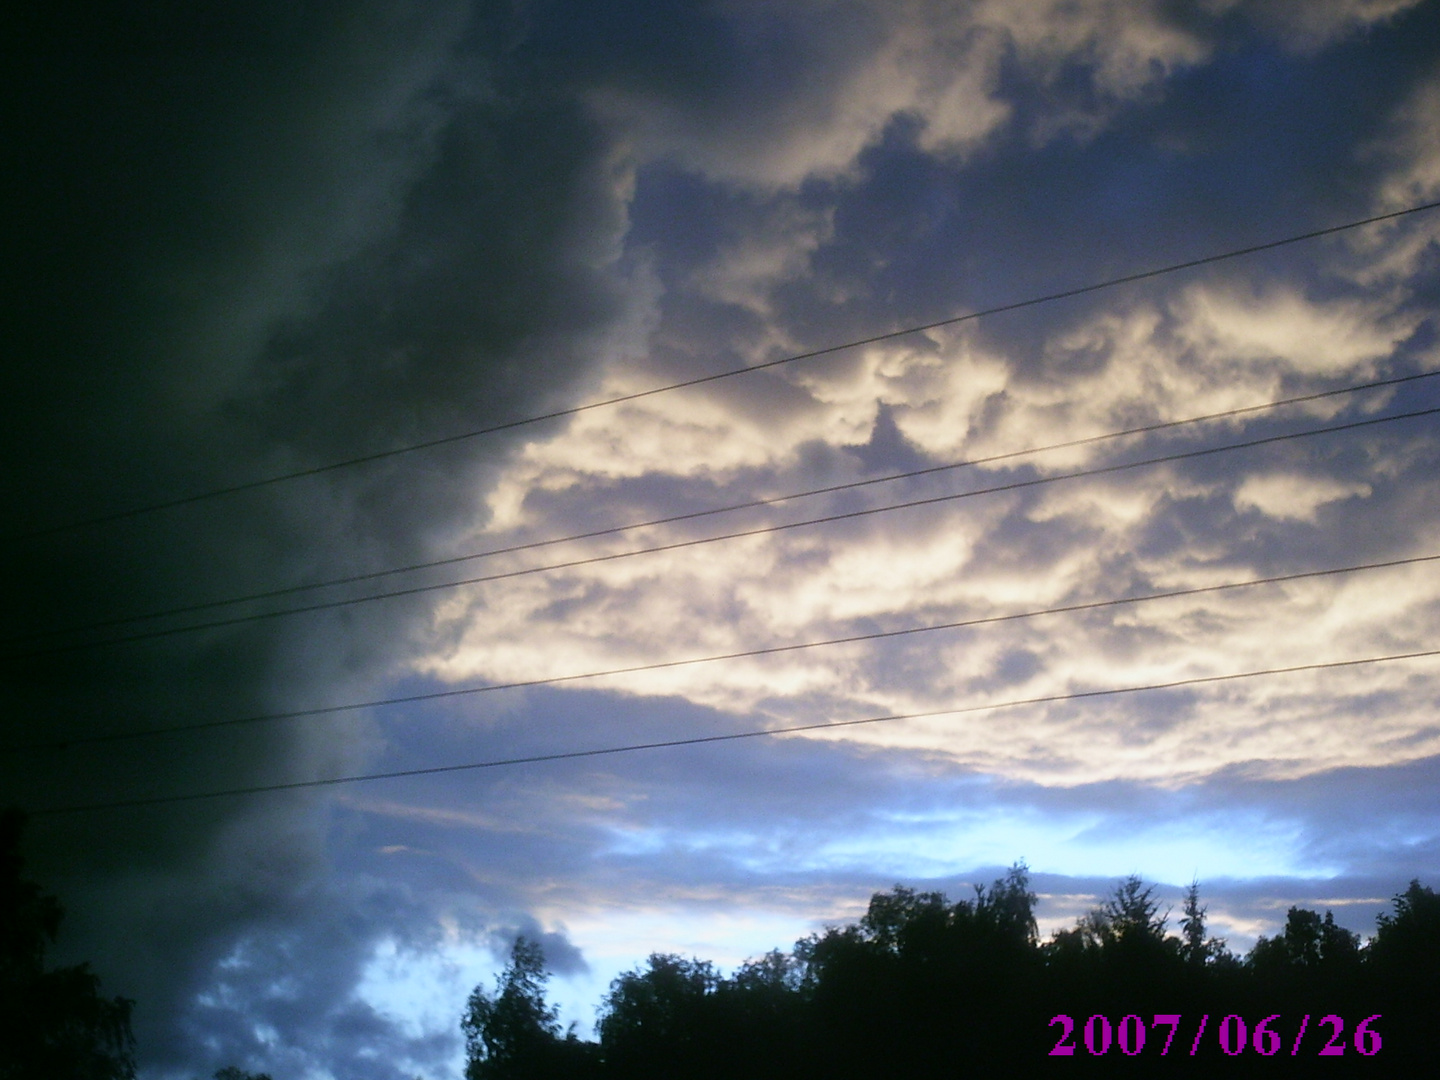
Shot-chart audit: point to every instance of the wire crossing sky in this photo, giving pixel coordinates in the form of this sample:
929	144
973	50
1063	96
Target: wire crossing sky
1017	305
63	744
753	504
759	531
700	740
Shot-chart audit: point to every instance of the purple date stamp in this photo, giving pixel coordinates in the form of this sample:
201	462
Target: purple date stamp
1130	1035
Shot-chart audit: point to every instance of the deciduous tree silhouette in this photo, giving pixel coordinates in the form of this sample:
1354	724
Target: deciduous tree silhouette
1309	944
652	1020
54	1025
922	986
1409	940
1405	965
514	1034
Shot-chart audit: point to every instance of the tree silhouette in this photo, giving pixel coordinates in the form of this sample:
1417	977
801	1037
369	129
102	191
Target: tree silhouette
514	1034
1195	948
1310	954
1130	914
1314	941
1405	963
53	1024
1008	911
1409	940
924	988
652	1019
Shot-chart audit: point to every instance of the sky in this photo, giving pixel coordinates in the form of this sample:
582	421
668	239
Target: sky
260	253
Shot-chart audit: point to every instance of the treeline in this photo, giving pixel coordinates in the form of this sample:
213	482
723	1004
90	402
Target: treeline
54	1022
923	987
920	987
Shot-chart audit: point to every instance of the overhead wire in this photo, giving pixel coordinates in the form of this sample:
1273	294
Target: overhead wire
591	560
575	410
352	579
770	650
699	740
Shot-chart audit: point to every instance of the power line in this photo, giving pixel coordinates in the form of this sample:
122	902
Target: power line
159	800
757	531
985	620
574	410
352	579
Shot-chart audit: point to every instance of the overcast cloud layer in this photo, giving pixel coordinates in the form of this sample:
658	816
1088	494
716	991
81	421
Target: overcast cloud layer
259	241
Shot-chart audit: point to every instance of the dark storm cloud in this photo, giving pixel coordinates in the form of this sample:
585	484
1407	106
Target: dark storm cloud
244	245
281	996
561	956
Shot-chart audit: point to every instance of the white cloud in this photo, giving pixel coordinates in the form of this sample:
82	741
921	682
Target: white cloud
952	395
1341	337
1415	146
1391	252
861	69
1289	495
935	63
939	565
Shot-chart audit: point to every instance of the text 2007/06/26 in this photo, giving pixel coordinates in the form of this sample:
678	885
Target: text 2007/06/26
1235	1037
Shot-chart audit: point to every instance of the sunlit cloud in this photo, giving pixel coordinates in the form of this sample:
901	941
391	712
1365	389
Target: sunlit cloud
954	396
1284	495
1307	338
